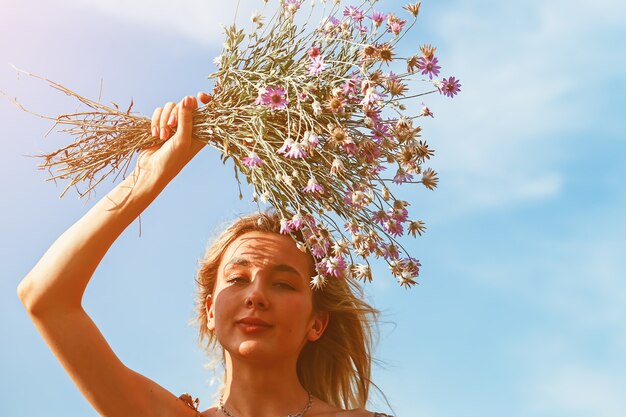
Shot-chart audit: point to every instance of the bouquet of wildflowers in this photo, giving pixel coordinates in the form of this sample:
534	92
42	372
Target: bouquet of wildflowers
312	120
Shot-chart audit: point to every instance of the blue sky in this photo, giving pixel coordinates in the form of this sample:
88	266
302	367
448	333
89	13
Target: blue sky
521	307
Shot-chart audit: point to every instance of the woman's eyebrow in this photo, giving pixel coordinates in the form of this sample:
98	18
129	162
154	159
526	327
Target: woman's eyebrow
238	261
242	261
286	268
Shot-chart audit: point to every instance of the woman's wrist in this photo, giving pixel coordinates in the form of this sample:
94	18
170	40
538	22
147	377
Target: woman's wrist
134	194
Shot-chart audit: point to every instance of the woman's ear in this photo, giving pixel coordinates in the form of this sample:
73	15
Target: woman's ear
210	316
320	321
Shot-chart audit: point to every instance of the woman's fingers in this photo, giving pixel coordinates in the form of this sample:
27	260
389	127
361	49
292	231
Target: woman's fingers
185	114
173	119
166	131
165	118
204	97
154	125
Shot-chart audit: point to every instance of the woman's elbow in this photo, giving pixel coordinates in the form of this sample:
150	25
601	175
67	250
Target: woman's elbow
24	293
30	297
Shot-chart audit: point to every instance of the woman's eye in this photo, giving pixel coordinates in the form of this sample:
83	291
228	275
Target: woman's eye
235	280
284	285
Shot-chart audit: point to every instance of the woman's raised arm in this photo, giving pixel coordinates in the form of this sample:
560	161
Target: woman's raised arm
52	291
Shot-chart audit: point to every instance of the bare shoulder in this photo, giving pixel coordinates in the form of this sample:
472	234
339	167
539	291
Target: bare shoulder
210	412
359	412
327	411
214	412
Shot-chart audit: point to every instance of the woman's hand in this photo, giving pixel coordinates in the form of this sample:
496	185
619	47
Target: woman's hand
161	163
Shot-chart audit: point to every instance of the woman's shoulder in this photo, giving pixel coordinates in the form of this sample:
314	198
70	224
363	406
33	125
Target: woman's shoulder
360	413
324	410
214	411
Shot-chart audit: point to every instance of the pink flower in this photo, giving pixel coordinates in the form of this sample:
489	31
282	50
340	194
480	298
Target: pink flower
428	66
393	227
291	6
380	217
372	97
317	65
296	222
402	176
359	199
374	115
314	52
399	214
319	248
396	26
348	88
390	251
450	87
313	187
352	226
334	266
354	13
378	18
274	98
376	169
347	199
310	139
370	152
411	266
426	111
287	144
349	146
285	228
380	132
392	76
252	160
296	151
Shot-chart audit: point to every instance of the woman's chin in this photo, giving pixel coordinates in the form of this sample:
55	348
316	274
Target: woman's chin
257	350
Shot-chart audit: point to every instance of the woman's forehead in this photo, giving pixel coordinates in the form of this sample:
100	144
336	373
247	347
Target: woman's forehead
265	248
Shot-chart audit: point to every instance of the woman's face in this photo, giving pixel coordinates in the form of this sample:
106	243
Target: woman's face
262	305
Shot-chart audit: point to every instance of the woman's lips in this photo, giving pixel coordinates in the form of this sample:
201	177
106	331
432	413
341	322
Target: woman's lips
253	324
253	321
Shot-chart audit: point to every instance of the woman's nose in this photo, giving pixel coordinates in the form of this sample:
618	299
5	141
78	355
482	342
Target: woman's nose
256	297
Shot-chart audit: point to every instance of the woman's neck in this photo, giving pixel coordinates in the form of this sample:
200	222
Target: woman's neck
256	389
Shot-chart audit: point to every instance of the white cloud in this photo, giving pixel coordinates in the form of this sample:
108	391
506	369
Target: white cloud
581	391
557	382
198	20
528	85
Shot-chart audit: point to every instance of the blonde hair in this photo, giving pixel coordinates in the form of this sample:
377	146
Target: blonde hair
337	367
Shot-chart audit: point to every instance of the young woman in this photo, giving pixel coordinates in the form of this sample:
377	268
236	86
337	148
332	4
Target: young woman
287	350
